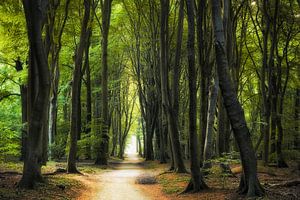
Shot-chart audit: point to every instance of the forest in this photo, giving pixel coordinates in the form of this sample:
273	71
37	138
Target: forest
150	99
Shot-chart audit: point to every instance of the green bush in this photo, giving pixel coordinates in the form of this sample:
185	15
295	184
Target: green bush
83	144
57	150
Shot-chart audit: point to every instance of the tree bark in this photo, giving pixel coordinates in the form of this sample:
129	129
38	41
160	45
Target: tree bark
75	128
38	92
249	182
88	95
213	96
102	154
196	183
297	118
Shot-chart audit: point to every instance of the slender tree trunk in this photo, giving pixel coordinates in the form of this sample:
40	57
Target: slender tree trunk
249	182
38	92
204	69
213	96
196	183
76	90
88	96
297	118
54	49
280	159
102	154
265	99
173	116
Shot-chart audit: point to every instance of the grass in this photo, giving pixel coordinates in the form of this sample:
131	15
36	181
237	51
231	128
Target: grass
173	183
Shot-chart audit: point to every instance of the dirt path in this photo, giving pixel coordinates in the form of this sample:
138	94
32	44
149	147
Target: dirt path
119	183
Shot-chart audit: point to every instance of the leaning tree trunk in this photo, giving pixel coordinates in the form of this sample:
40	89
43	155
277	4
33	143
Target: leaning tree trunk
38	92
249	182
76	87
196	183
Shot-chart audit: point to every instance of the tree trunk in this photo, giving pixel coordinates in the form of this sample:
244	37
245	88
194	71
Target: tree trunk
38	92
88	96
173	118
196	183
249	182
204	69
213	96
223	132
265	99
102	154
297	118
75	128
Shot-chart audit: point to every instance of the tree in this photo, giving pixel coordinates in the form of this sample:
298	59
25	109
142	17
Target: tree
196	183
38	93
75	128
102	154
173	111
54	45
213	97
249	183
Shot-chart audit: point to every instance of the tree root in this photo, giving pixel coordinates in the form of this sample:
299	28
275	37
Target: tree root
192	189
250	187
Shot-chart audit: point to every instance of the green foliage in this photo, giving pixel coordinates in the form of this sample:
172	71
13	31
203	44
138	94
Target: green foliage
228	158
84	145
9	142
57	150
287	154
291	154
218	173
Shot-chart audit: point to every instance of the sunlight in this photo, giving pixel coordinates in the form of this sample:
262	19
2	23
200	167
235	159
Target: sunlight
131	145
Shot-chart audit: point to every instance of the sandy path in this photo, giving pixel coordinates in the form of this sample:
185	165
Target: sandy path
117	184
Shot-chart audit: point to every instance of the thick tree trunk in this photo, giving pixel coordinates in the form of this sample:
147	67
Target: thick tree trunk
249	182
75	128
196	183
102	154
38	92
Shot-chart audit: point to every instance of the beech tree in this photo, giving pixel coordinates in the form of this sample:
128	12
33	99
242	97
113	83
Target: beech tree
249	183
38	93
196	183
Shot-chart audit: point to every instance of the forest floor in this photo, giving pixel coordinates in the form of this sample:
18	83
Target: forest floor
135	179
